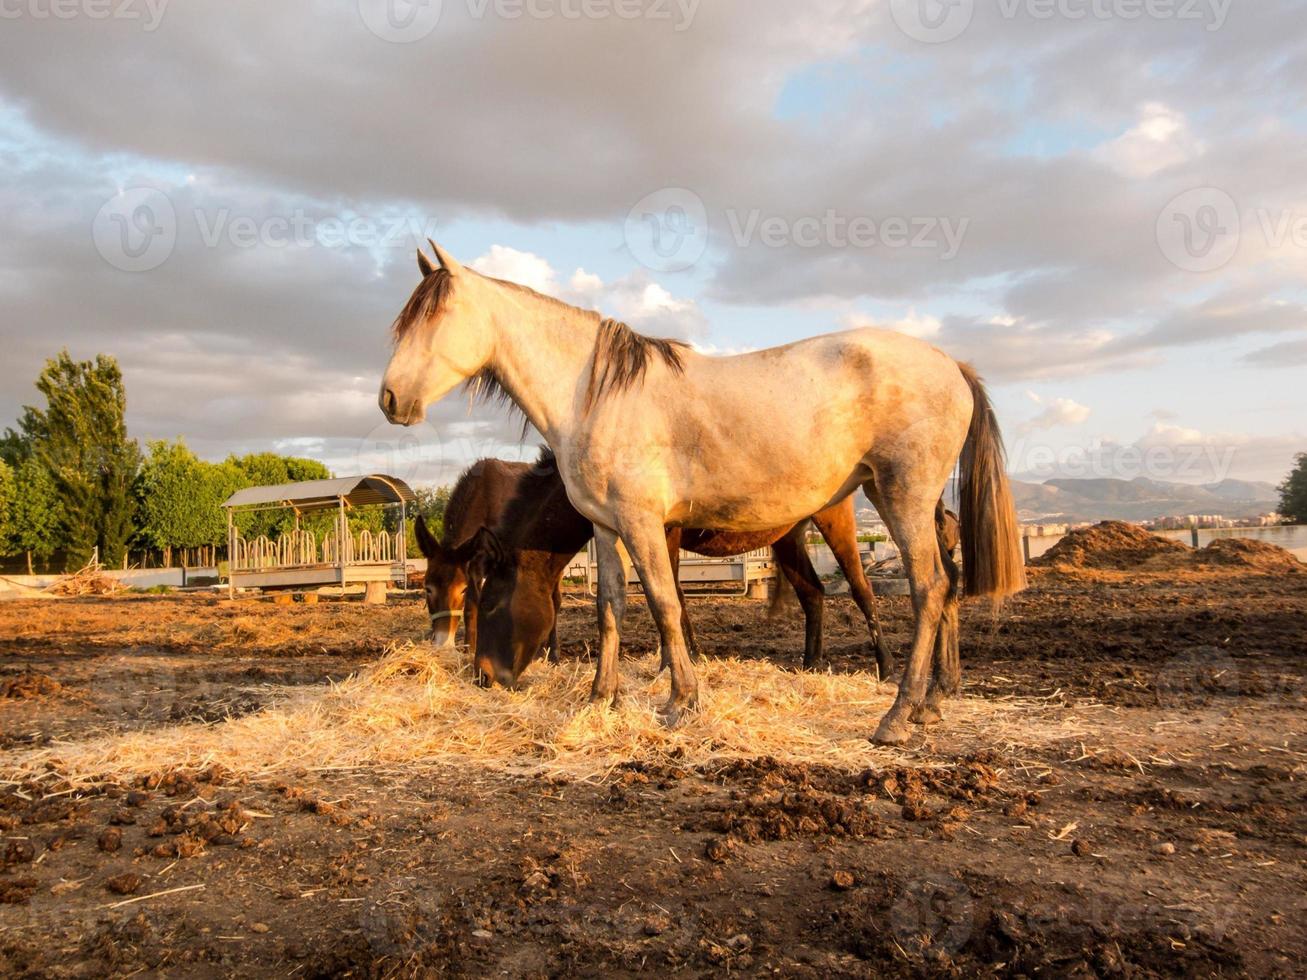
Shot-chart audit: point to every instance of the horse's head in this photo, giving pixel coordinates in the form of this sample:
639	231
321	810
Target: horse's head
515	609
443	337
446	583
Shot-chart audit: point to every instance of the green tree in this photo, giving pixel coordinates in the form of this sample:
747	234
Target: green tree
8	495
270	469
36	517
431	504
80	437
1293	492
179	498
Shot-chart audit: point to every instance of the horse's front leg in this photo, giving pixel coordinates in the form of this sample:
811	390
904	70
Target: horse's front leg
674	556
470	624
646	543
611	607
553	631
797	568
838	527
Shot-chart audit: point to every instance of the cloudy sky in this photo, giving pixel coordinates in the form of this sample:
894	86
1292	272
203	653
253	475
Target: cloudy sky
1101	203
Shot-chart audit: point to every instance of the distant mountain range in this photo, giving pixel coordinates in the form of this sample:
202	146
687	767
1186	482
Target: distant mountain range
1077	501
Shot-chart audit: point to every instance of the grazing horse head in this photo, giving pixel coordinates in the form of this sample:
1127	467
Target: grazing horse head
443	338
447	585
515	608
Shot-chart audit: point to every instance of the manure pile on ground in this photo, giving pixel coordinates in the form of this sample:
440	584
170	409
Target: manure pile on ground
1112	545
1247	553
418	706
1120	546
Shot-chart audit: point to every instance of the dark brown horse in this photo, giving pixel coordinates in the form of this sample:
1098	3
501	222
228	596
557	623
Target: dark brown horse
520	564
477	500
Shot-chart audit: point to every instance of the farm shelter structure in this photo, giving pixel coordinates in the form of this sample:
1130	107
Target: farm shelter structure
746	574
297	558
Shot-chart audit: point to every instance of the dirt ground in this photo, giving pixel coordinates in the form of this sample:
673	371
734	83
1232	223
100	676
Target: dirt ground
1172	841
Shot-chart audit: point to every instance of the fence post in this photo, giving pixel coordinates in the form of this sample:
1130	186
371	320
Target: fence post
1025	547
1194	533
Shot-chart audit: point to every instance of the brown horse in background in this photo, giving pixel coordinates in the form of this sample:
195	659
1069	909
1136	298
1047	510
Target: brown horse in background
519	566
477	500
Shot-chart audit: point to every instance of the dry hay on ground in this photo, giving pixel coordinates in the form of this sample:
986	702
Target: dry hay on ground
1247	553
418	706
1111	544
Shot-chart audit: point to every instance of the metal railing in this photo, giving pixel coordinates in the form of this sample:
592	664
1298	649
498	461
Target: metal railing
299	548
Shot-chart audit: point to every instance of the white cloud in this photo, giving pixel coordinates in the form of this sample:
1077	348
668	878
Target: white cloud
523	268
584	283
1058	413
922	326
635	299
1160	139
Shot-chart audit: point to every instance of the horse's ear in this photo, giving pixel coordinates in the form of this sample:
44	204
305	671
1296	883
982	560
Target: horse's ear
447	261
482	548
424	264
427	542
489	548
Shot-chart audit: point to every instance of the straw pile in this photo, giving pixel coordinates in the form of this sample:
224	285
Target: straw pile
88	580
418	706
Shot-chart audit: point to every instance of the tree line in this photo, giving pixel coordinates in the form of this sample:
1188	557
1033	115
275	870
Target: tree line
1293	492
73	481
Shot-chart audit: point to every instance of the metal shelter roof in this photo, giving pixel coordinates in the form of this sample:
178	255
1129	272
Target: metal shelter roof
357	491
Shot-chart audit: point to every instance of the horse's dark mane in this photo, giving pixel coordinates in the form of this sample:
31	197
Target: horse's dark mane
533	490
622	356
426	301
432	293
461	498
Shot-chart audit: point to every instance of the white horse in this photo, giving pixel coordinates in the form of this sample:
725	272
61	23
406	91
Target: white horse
650	433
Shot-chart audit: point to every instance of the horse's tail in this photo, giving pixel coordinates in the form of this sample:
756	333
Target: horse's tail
992	562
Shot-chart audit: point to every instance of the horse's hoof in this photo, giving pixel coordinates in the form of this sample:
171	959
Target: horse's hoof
672	714
925	714
891	733
604	700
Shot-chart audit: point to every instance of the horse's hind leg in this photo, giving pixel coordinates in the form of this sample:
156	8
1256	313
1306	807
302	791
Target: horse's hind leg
946	679
838	527
797	568
910	515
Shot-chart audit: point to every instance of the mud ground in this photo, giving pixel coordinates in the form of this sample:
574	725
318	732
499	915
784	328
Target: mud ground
1174	846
